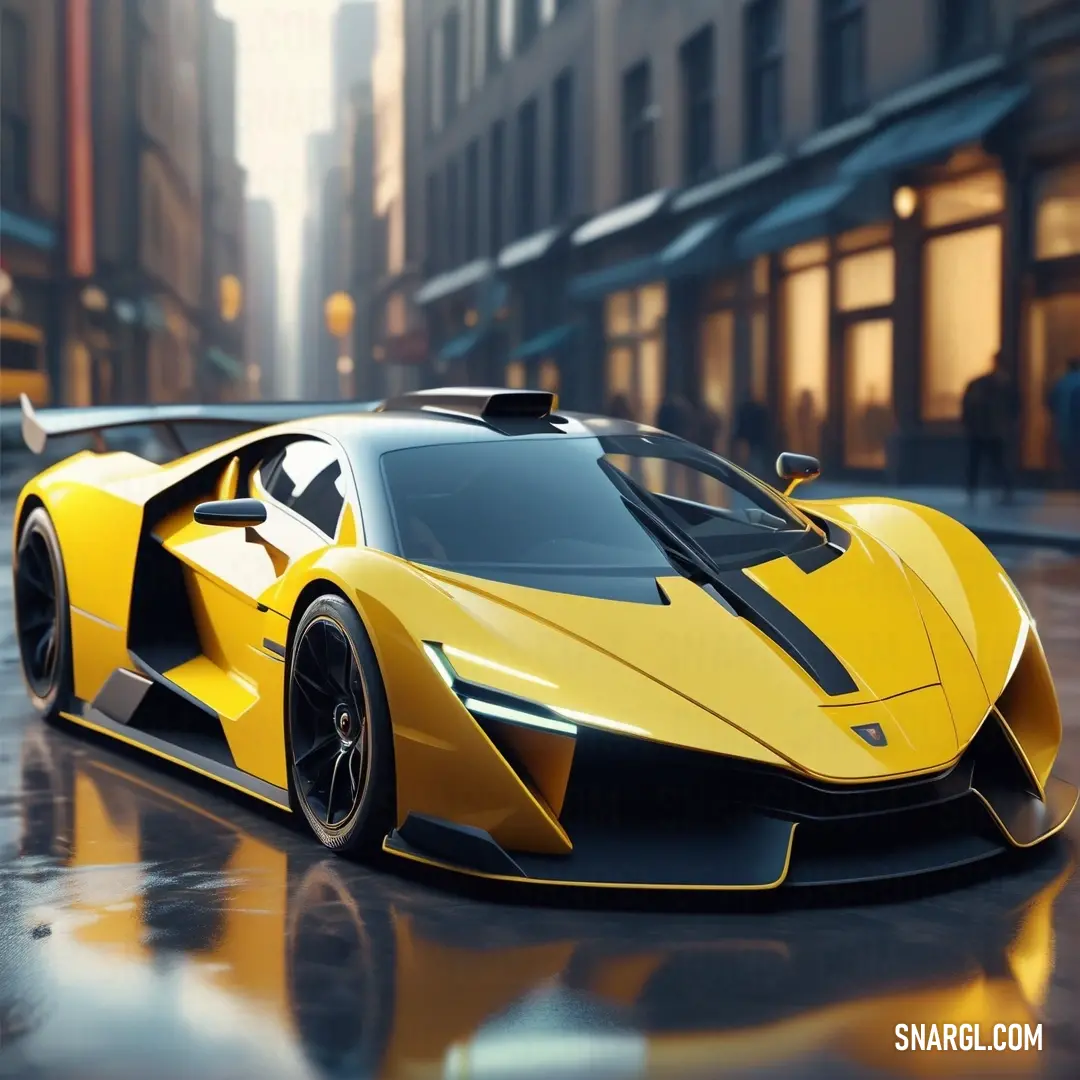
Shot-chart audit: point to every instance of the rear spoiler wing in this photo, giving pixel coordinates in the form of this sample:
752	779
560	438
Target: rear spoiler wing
39	427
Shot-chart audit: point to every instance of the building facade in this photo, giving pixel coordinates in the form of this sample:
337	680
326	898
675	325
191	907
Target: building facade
260	316
837	210
222	372
399	337
340	210
32	197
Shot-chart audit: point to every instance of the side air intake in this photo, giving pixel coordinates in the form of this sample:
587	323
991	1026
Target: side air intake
480	403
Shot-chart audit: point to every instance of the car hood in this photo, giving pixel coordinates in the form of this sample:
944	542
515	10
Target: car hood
864	607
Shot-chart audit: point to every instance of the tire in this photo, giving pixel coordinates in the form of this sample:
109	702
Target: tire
338	735
42	616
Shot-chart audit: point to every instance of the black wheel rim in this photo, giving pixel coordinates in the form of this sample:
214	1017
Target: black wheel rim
37	612
328	723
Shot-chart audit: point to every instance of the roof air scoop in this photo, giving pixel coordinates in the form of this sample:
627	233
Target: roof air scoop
480	403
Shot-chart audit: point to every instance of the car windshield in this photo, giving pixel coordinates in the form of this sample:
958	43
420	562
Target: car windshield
526	509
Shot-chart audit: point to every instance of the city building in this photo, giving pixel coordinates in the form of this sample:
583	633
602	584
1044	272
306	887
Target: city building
399	333
360	233
144	263
33	261
222	373
838	209
315	345
340	210
260	317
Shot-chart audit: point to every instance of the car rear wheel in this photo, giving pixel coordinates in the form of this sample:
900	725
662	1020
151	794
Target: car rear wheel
42	616
339	738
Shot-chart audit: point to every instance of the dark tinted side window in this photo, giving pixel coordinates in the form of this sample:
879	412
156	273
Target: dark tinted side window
306	477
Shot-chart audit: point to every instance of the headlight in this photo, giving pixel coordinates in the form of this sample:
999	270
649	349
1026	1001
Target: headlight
487	702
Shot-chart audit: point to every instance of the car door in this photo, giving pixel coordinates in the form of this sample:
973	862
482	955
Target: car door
302	484
231	573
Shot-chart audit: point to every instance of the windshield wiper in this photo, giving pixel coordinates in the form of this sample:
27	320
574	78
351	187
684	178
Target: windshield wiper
693	561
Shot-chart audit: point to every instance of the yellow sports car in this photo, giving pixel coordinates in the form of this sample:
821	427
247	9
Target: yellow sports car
476	633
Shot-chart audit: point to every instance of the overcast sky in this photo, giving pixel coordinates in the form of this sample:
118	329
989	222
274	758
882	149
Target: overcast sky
283	93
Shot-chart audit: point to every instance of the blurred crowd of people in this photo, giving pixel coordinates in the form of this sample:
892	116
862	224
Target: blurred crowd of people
990	414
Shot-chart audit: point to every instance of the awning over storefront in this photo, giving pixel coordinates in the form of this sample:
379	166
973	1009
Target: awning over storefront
624	275
550	341
621	218
529	249
935	135
815	213
25	230
459	347
706	247
228	365
454	281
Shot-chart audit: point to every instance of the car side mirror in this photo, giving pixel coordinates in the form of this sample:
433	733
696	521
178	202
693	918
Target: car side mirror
231	513
797	469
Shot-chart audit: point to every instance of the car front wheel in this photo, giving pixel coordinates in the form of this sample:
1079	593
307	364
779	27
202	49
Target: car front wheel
339	738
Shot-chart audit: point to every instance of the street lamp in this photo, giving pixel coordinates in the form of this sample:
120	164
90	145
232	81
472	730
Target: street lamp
339	312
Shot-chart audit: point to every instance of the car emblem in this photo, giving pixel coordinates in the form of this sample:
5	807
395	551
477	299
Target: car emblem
871	733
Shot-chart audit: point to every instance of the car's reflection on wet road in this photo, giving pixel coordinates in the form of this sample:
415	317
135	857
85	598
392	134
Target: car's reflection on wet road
150	927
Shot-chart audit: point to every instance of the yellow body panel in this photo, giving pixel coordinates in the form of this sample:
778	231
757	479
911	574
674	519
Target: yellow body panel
957	568
917	609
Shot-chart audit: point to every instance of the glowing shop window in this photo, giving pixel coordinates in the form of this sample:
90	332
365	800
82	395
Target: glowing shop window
868	376
718	370
651	307
806	358
1057	214
515	375
547	376
796	258
618	317
963	200
620	375
1053	338
961	316
650	378
866	280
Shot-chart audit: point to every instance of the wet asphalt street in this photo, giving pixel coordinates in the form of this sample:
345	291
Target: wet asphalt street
153	927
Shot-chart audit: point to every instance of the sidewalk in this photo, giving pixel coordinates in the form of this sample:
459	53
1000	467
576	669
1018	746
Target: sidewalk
1036	518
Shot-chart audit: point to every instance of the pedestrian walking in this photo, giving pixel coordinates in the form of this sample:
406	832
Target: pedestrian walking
1064	403
751	436
990	413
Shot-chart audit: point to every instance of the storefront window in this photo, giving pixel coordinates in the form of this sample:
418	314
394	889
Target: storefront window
1057	213
651	307
635	327
962	316
515	375
869	236
967	199
1053	339
806	358
547	376
866	280
868	375
718	372
618	314
817	251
